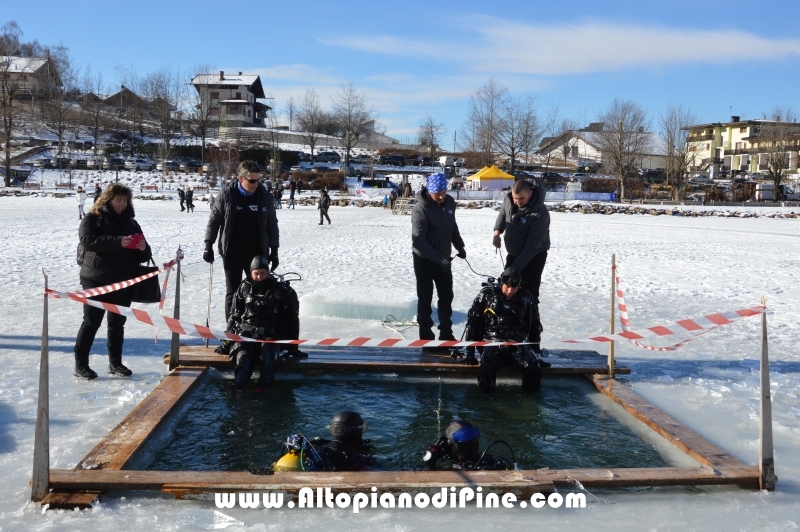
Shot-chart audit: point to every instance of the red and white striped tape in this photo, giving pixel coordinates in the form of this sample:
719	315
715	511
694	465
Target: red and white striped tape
691	325
113	287
626	324
186	328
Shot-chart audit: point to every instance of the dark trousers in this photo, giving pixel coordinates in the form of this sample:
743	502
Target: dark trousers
236	267
429	274
521	357
93	318
182	200
247	355
324	212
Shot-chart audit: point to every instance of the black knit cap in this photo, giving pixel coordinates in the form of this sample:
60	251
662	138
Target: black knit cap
511	277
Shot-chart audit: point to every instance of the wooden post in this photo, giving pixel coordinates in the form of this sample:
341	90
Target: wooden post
175	345
766	460
40	483
611	317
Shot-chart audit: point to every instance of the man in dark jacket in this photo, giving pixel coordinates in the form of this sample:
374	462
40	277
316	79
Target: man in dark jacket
97	191
526	223
433	233
324	205
505	312
181	197
244	218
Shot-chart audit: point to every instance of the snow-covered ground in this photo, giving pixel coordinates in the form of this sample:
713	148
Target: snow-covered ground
672	267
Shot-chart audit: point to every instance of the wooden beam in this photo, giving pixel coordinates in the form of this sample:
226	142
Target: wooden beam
118	447
526	481
679	435
766	458
41	438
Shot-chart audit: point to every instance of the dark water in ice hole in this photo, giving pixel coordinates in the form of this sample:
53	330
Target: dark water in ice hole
559	427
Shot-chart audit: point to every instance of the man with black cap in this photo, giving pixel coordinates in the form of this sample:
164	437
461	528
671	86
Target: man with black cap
243	216
525	221
505	312
434	232
264	308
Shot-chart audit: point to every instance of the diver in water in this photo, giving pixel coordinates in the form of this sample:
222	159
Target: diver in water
347	451
460	446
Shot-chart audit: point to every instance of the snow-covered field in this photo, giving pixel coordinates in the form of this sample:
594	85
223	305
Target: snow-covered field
672	267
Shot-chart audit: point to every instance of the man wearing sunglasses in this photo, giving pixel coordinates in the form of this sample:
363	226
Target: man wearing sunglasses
243	217
505	312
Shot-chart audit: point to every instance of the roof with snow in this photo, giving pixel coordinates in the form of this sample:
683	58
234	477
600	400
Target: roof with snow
22	64
234	80
653	144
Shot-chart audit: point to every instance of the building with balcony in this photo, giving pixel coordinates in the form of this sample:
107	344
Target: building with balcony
28	75
231	100
740	146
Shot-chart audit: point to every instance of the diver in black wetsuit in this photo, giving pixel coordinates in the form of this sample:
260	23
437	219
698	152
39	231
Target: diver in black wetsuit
347	451
460	446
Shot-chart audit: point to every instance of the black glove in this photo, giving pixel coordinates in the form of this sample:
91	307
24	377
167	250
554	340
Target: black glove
273	259
208	254
462	253
445	264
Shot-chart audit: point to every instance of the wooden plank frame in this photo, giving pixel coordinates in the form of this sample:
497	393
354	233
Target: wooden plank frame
104	467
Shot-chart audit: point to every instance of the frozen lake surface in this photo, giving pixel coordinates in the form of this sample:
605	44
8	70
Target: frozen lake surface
672	267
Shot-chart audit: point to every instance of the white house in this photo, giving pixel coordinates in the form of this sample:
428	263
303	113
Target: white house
583	149
231	99
29	74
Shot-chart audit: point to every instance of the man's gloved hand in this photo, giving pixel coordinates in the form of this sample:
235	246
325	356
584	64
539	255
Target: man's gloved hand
496	241
273	259
445	264
470	359
208	254
462	253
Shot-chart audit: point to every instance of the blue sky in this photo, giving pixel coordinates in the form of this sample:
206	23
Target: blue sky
414	57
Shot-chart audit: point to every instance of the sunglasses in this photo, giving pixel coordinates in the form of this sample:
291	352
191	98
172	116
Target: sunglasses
251	180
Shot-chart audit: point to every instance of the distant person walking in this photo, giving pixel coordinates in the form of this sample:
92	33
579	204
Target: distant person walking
292	189
278	196
385	201
324	204
181	197
392	198
189	199
97	192
80	197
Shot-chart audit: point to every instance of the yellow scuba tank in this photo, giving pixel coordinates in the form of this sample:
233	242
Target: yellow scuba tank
288	462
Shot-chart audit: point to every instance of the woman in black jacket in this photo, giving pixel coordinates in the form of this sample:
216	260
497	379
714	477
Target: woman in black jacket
114	247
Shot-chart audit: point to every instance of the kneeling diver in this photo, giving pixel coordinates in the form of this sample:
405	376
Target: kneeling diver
460	445
347	451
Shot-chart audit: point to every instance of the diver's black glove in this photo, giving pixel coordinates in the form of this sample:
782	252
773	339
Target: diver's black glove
445	265
462	253
208	254
273	259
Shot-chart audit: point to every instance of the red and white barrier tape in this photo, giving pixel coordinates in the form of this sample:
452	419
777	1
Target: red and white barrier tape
113	287
691	325
626	324
200	331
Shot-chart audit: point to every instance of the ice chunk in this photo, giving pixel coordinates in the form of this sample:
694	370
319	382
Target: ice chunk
198	518
352	308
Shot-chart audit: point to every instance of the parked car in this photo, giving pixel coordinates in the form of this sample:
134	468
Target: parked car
114	163
379	159
78	163
167	166
422	161
192	166
138	164
446	160
42	163
60	162
459	162
328	157
94	164
551	175
321	169
580	175
396	160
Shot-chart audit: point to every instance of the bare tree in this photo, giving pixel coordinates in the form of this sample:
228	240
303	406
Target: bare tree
776	139
130	107
517	128
484	119
553	128
623	138
291	111
675	122
10	87
165	93
309	118
199	113
59	109
430	134
94	115
354	118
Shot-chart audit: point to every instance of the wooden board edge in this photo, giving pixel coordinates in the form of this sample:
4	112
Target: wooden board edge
665	425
